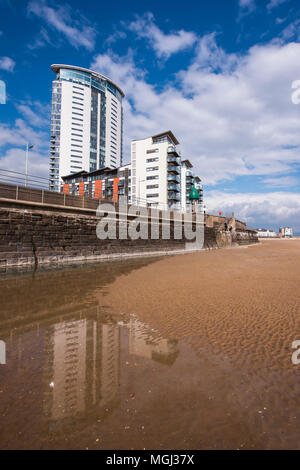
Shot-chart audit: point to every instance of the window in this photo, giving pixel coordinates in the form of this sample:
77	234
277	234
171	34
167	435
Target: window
152	151
152	195
77	93
152	168
151	160
77	119
152	186
76	140
152	177
78	114
79	109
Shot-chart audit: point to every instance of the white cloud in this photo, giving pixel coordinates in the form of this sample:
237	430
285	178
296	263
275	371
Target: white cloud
212	57
283	182
270	210
237	121
163	44
61	18
291	31
7	64
233	114
35	113
246	7
13	160
41	40
13	141
275	3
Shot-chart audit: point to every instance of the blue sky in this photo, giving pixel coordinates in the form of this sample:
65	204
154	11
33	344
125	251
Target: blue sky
218	73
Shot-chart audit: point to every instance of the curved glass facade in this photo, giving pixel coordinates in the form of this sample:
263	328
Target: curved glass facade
85	78
86	123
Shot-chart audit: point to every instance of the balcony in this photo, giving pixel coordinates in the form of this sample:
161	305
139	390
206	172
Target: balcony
174	169
174	178
173	196
189	174
173	187
172	149
174	160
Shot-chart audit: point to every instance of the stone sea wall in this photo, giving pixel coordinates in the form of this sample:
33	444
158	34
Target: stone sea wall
34	235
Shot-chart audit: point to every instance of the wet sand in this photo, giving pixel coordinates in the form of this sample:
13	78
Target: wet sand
239	310
187	352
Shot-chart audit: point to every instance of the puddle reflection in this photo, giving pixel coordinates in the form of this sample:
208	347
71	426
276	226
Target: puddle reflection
83	363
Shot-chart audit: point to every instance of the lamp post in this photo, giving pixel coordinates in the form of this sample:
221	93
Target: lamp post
28	147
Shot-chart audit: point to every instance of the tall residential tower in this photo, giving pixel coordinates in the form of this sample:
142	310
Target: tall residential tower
86	123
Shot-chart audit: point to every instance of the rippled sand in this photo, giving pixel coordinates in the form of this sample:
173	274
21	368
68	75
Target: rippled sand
239	310
186	352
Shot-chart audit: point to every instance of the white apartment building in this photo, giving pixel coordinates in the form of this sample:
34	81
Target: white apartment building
286	232
156	171
86	123
156	177
266	233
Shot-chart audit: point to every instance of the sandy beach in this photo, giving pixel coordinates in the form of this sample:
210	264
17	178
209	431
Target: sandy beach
185	352
243	302
239	310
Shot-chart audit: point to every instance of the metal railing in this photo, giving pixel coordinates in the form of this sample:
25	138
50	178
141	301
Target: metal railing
22	179
13	187
46	197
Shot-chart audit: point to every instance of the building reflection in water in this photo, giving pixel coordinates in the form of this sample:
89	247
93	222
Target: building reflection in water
149	344
82	370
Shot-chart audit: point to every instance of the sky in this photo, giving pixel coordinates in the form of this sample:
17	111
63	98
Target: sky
222	75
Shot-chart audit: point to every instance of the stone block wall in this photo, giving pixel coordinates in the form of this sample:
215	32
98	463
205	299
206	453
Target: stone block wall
36	236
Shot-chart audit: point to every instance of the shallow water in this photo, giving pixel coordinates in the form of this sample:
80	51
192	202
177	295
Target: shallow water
79	376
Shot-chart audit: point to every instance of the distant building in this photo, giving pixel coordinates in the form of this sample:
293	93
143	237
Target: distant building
286	232
105	183
156	177
86	123
265	233
188	181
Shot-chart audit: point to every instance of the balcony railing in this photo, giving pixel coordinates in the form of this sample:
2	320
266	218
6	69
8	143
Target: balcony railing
172	149
173	196
174	169
173	187
174	178
175	160
189	173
